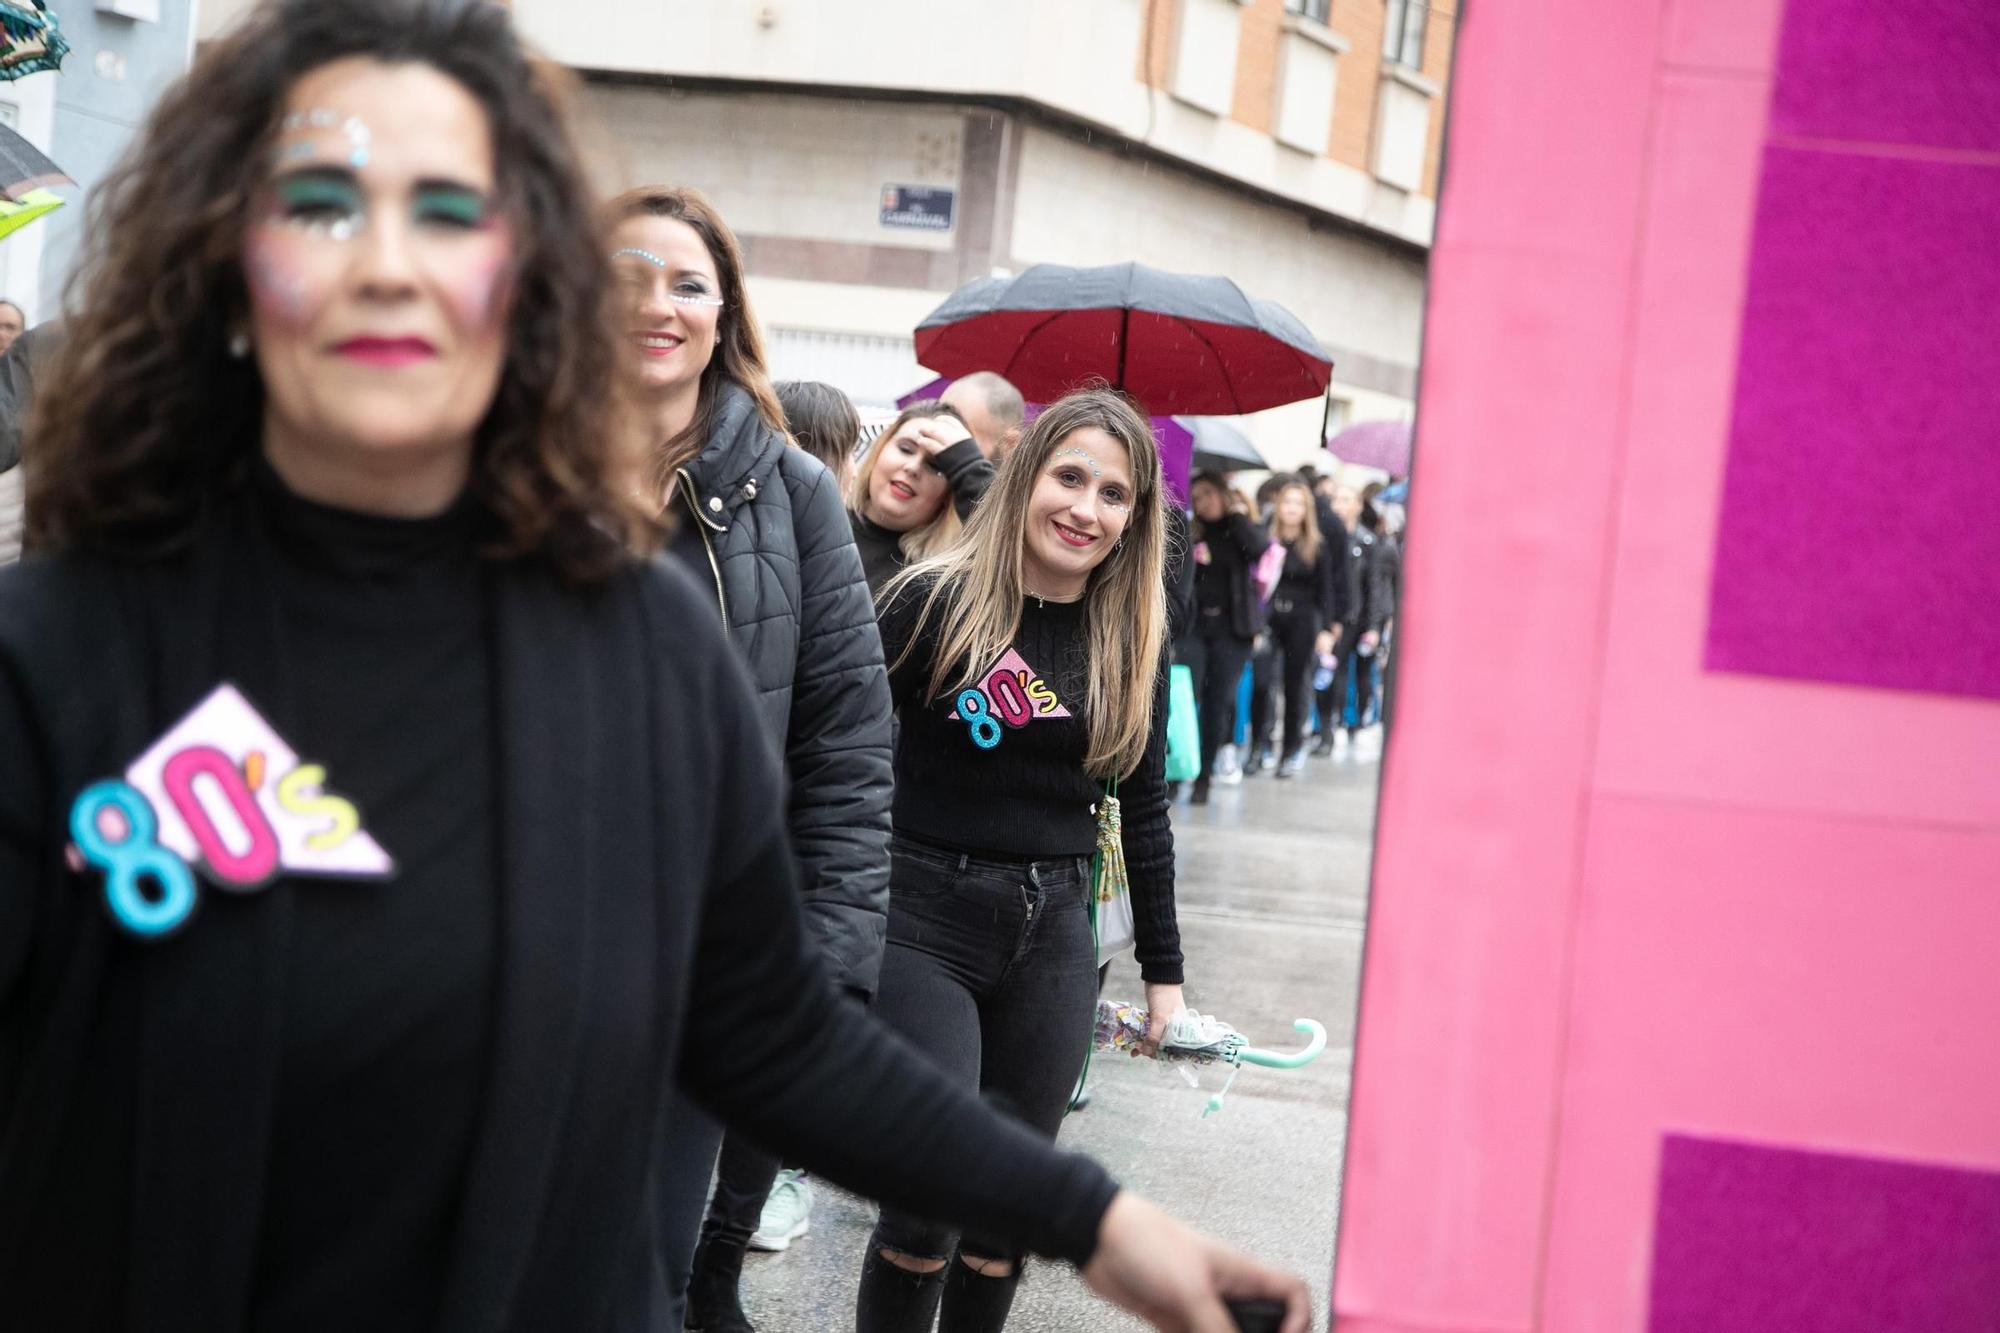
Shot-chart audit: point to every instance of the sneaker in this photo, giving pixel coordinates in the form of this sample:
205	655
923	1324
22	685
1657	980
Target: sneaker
1260	759
787	1213
1324	750
1227	769
1290	768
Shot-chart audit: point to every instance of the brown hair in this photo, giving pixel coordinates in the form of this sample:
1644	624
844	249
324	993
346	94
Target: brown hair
821	420
942	530
146	418
739	347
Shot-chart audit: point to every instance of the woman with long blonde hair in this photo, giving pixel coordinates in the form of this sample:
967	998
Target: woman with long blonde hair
1026	662
1304	611
914	488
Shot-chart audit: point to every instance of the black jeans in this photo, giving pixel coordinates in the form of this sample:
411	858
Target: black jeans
992	973
1333	700
1264	659
1295	626
1215	657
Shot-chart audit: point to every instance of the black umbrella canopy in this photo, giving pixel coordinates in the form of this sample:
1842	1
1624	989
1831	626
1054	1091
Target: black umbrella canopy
1220	447
24	168
1176	342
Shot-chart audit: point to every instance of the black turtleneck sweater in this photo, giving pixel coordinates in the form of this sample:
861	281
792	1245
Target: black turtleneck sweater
1026	794
390	985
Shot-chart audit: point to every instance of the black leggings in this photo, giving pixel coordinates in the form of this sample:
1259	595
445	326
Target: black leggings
991	972
1216	659
1294	627
1264	664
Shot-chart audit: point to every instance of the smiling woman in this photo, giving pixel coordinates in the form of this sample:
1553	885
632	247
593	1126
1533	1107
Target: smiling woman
332	520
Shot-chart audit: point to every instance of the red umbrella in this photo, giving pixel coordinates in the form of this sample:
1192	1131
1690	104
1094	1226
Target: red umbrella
1177	343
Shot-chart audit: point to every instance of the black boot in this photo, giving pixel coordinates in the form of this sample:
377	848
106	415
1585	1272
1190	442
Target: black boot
895	1300
1199	796
974	1303
714	1300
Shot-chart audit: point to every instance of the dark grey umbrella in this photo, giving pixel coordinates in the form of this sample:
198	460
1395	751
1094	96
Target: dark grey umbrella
1176	342
24	168
1220	447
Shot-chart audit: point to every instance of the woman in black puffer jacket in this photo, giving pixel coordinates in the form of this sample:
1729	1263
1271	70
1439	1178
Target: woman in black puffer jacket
764	524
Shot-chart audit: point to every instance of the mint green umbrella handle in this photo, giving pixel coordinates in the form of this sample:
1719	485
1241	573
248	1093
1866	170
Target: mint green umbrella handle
1315	1043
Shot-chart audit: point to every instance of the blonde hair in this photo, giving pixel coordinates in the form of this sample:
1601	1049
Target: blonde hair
926	539
1307	535
975	588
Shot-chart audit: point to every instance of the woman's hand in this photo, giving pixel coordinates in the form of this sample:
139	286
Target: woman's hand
1163	1001
1323	645
1176	1279
937	434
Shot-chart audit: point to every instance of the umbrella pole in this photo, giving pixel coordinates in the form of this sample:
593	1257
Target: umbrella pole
1326	413
1124	334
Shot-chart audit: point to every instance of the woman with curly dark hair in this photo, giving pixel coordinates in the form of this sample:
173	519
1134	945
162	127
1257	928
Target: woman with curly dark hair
382	837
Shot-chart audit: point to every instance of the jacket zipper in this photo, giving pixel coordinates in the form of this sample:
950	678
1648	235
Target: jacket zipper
707	543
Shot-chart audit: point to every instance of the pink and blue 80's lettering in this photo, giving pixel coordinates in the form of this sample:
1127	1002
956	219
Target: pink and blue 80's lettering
1011	692
222	793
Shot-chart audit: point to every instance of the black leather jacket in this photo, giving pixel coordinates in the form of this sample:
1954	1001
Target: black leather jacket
762	523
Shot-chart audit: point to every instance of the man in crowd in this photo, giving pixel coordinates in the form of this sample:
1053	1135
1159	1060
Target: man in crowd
18	360
992	410
13	322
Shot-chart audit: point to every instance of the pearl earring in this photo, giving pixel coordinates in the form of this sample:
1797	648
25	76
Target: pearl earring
239	345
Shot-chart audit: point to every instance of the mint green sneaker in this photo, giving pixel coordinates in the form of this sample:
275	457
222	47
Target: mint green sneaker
787	1213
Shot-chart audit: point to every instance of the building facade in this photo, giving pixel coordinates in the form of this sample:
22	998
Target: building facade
873	155
123	55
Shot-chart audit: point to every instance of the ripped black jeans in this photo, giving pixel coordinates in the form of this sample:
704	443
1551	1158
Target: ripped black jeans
992	973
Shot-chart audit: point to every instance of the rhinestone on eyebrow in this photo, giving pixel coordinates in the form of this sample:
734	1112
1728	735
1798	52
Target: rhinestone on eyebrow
637	253
359	136
1089	462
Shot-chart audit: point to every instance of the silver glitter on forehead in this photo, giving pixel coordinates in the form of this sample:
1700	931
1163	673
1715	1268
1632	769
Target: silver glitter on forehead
1090	462
359	138
637	253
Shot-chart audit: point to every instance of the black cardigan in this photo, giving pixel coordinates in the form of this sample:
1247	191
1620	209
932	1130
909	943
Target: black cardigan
650	933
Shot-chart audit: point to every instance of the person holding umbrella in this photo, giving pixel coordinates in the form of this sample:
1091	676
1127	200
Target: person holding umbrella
1028	667
375	1033
1217	644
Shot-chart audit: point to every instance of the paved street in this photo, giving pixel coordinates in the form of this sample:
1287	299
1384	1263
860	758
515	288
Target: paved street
1273	887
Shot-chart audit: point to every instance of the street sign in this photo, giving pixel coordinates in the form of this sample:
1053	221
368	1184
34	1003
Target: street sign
921	207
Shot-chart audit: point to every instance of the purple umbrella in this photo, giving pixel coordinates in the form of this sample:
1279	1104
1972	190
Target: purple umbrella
1176	440
1383	444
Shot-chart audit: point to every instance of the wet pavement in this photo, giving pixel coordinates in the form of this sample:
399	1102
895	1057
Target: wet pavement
1272	894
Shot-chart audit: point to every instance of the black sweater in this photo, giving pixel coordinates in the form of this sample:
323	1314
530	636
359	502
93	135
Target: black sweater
1309	584
1002	772
966	471
645	931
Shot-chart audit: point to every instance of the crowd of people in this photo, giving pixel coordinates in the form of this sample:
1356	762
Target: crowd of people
1298	584
485	761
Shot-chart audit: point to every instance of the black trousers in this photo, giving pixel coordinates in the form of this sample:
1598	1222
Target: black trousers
992	973
1264	663
1334	700
1215	657
1294	627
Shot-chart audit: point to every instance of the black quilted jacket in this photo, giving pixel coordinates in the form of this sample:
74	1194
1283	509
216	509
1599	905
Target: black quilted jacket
763	524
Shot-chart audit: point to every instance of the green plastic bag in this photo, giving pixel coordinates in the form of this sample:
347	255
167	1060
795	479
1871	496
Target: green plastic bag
1183	727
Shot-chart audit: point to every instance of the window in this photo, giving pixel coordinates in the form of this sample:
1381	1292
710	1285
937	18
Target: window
1403	32
1316	10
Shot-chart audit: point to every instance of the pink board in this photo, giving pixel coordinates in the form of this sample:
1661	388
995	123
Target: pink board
1918	73
1757	1239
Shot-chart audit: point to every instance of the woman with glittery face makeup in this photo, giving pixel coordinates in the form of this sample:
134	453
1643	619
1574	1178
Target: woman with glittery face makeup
378	268
387	835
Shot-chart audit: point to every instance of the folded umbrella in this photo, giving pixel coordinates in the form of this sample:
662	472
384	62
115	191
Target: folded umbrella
1176	342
